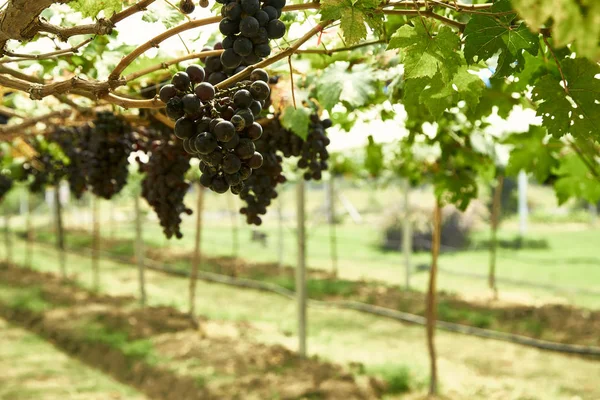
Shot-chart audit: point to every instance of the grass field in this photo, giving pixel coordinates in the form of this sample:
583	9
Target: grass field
570	262
32	369
384	347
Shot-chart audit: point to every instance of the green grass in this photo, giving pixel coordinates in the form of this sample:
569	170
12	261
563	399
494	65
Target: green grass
141	349
26	299
32	369
348	336
570	261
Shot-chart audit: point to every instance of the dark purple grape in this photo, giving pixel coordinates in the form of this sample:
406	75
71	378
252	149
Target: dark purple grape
255	131
232	11
187	6
231	163
271	12
205	143
195	72
256	161
219	185
205	91
229	26
230	59
232	143
243	46
250	7
216	77
238	122
213	63
247	115
184	128
262	50
191	104
245	172
256	108
167	92
245	149
276	29
260	90
249	26
224	131
262	17
259	74
206	180
242	99
175	108
181	81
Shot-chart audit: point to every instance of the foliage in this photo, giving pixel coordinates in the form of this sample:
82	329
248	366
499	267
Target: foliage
443	72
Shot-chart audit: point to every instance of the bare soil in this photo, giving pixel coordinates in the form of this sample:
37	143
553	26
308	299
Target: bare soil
218	361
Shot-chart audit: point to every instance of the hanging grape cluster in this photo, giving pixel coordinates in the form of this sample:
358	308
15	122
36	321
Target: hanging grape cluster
164	185
106	156
218	126
248	25
45	168
259	189
72	142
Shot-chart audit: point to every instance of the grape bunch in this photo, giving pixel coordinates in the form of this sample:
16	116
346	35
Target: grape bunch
312	151
164	185
6	184
260	189
44	168
188	6
106	164
314	154
72	142
248	26
218	125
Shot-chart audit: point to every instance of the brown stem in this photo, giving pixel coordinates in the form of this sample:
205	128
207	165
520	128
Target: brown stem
164	65
7	129
131	103
197	258
495	218
339	49
584	159
431	297
20	57
562	75
155	41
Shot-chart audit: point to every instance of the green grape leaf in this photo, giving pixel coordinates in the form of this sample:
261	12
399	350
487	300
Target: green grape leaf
150	16
340	83
576	180
353	15
91	8
296	120
532	154
486	35
426	55
438	96
573	21
575	110
533	68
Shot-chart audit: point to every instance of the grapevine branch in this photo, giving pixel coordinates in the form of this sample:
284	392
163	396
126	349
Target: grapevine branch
340	49
165	65
4	130
20	21
9	112
20	57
